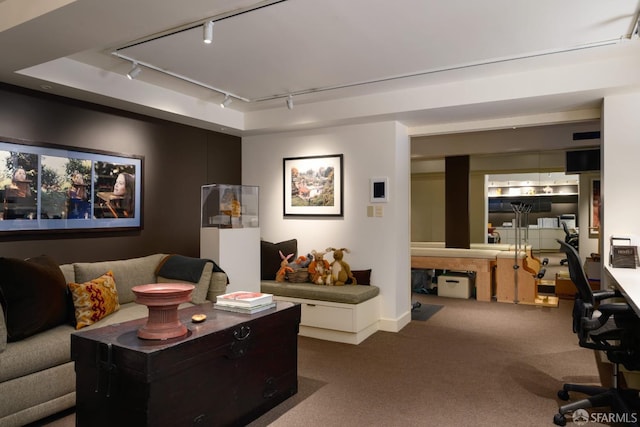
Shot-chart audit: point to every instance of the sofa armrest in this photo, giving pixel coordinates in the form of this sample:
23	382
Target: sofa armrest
210	284
217	286
3	331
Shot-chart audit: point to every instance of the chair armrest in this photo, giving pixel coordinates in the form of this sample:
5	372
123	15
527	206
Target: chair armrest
606	311
615	308
607	293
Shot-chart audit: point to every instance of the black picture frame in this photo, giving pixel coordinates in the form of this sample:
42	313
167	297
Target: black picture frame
50	188
313	186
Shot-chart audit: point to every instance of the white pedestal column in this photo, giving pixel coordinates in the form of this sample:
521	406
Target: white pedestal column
237	252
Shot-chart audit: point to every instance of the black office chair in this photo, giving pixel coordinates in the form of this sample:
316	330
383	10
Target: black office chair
612	327
571	238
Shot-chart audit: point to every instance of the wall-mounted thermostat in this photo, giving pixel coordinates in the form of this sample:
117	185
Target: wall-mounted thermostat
379	189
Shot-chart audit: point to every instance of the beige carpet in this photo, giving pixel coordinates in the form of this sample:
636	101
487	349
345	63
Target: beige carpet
472	363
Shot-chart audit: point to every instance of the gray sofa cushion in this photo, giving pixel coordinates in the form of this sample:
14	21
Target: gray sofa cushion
52	348
69	272
36	353
127	273
347	294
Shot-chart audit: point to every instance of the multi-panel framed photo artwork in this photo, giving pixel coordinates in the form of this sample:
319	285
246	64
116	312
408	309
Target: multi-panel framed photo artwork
46	188
313	186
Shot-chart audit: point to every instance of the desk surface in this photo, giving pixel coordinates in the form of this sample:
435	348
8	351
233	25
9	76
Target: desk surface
628	281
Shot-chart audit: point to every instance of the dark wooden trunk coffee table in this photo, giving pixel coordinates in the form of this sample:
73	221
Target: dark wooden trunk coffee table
228	370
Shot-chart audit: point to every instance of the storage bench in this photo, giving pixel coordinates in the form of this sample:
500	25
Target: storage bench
347	314
481	261
455	285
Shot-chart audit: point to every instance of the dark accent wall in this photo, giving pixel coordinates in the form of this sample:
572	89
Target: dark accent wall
456	196
178	160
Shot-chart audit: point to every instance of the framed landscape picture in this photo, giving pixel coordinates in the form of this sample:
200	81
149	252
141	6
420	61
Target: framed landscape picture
52	188
313	186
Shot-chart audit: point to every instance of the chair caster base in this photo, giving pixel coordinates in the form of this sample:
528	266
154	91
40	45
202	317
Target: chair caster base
559	420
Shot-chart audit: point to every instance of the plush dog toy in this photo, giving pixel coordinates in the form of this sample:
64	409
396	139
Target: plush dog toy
284	267
319	269
340	270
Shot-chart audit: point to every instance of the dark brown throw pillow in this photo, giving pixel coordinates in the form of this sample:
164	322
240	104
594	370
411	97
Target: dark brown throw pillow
363	277
270	257
33	295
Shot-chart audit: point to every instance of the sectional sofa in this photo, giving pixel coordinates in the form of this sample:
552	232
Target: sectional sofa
38	316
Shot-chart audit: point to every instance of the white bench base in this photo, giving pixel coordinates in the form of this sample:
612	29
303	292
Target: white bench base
339	322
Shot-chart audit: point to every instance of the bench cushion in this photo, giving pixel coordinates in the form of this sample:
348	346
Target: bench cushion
347	294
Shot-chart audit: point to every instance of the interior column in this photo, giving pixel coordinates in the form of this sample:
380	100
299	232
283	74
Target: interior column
457	222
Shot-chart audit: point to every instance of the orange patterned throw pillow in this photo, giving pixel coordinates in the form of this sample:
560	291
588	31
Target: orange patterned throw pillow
94	299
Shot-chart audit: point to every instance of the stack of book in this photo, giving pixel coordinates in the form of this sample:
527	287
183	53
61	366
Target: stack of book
244	302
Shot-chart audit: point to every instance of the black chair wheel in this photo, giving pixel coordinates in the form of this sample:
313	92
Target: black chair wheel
559	420
541	273
545	261
563	395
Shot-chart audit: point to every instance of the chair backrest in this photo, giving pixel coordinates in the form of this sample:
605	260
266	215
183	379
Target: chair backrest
577	273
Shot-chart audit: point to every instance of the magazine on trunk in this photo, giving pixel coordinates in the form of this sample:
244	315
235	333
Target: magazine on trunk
244	299
246	310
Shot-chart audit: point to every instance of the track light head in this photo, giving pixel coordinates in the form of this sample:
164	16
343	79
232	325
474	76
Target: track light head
226	102
207	32
290	102
135	70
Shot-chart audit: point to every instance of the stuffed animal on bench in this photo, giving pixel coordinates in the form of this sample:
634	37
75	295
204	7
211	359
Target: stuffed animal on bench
319	269
284	267
301	262
340	270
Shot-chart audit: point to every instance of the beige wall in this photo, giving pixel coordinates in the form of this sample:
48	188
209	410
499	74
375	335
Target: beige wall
477	207
427	207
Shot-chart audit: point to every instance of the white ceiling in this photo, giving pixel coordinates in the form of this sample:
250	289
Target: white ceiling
308	45
415	61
